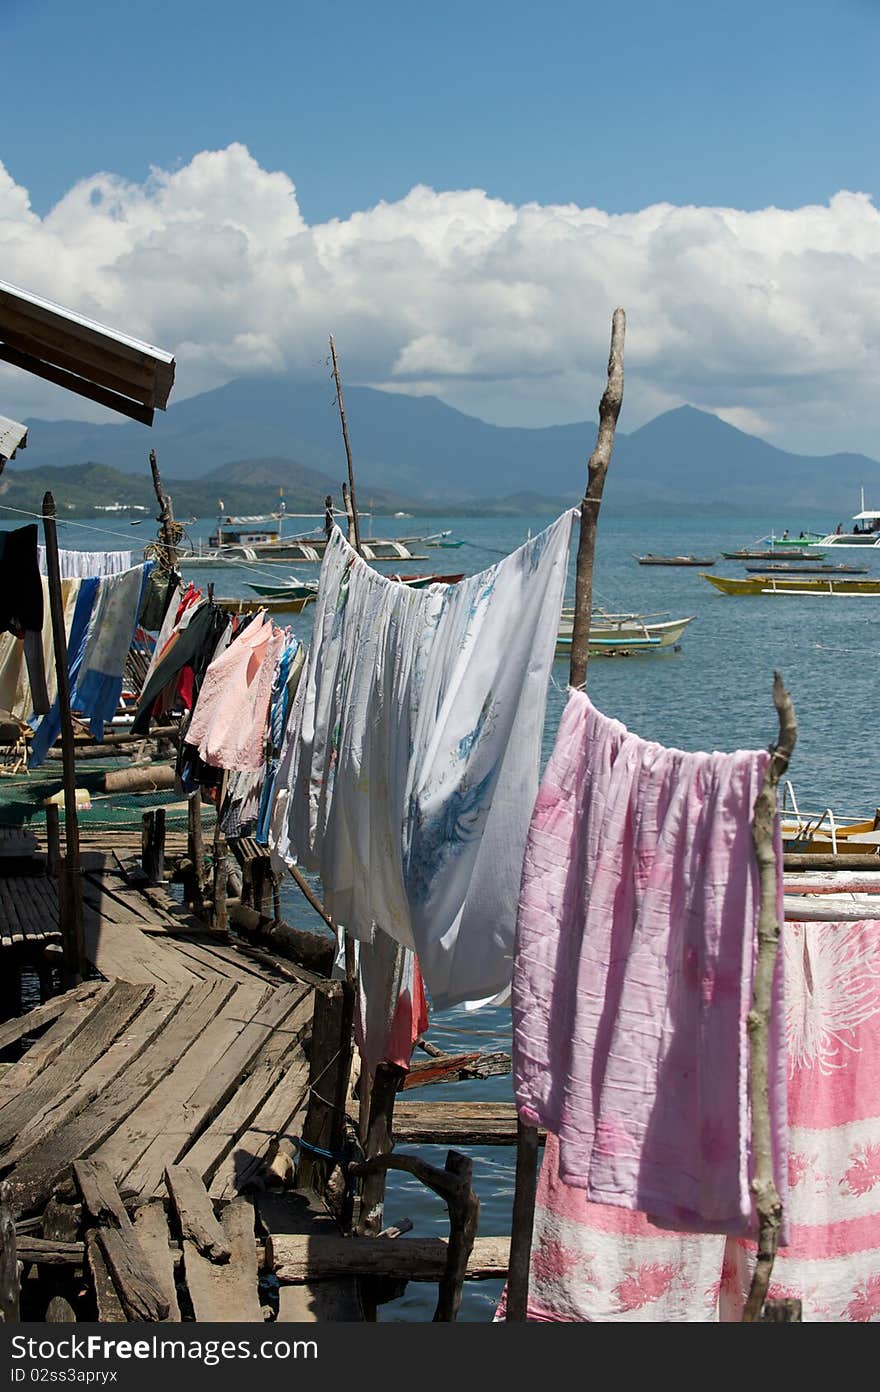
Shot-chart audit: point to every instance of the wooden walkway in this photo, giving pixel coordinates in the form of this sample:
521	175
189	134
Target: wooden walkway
168	1084
141	1128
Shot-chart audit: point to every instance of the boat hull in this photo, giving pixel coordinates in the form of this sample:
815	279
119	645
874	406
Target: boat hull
777	585
608	637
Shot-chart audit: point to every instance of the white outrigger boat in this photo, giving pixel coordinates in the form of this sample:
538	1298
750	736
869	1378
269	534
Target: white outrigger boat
616	634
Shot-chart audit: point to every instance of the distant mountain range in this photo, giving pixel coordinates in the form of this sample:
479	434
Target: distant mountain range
242	441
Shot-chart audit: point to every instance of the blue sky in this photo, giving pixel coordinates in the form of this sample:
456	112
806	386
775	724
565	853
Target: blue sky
618	106
462	194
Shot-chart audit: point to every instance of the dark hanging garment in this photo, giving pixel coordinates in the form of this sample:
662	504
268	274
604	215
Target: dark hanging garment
21	605
193	650
21	589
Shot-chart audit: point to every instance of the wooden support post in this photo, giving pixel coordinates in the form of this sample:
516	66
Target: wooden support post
453	1184
767	1201
53	841
329	1070
527	1136
328	515
9	1273
388	1081
356	540
220	877
153	845
195	845
70	885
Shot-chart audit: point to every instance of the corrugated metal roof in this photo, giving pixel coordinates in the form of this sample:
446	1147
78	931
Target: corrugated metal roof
85	357
13	436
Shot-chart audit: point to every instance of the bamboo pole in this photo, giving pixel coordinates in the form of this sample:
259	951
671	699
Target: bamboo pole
354	511
69	884
767	1201
525	1189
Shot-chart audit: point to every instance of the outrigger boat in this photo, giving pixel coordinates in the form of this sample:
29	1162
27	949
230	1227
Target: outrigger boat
614	634
261	538
825	832
676	560
795	585
796	555
806	569
308	589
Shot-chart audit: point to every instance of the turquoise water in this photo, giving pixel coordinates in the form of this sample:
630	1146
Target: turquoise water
713	694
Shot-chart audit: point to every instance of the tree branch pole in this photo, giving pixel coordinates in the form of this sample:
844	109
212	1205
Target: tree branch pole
354	511
523	1219
767	1201
609	411
166	517
69	883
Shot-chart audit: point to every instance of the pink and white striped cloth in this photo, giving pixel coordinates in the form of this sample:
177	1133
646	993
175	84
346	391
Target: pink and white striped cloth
597	1263
633	972
832	1260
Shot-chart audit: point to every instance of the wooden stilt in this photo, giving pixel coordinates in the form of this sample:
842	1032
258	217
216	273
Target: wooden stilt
153	845
9	1273
195	845
53	841
527	1136
70	886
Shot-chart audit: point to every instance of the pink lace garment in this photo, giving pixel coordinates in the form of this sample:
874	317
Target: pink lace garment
229	720
633	973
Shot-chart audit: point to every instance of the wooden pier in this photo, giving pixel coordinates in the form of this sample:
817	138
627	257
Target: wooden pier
147	1128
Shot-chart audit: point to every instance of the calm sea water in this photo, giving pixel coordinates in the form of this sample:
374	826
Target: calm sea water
713	694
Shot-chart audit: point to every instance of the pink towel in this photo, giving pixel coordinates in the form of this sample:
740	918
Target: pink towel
229	720
633	972
832	1261
596	1263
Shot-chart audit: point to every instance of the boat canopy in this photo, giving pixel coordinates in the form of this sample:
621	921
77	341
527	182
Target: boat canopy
867	516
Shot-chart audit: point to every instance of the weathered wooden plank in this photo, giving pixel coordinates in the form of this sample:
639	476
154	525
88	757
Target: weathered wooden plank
282	1110
227	1293
114	1012
192	1111
90	1130
123	952
100	1197
47	1252
95	1080
209	963
43	1015
274	1061
44	1052
136	1286
156	1133
110	1309
151	1227
126	1262
456	1123
233	955
198	1224
298	1259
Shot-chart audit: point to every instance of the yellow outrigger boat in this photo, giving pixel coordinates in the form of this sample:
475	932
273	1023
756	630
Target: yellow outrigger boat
792	585
826	832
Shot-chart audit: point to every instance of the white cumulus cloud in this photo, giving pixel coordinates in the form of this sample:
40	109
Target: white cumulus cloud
770	318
